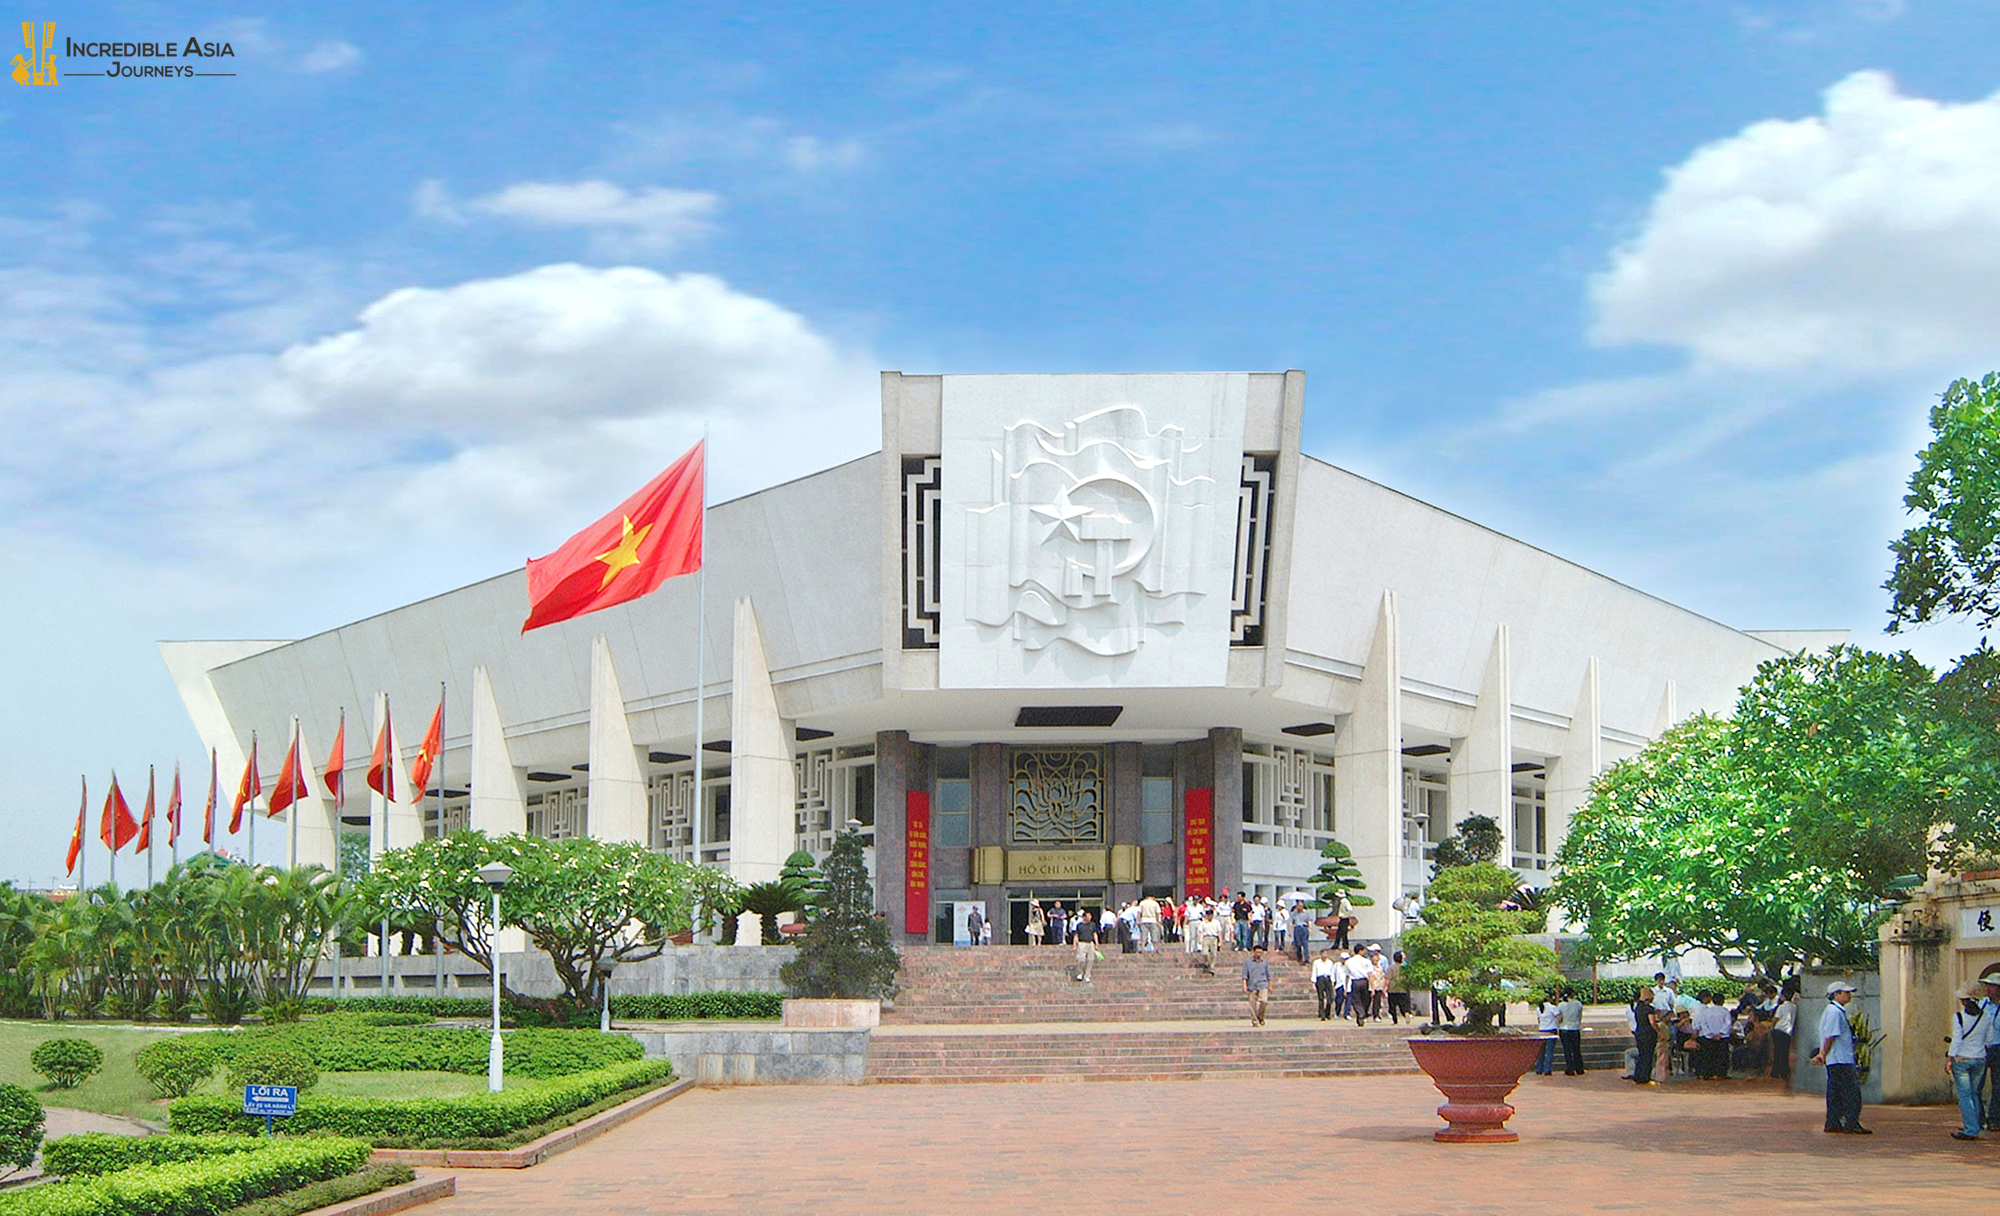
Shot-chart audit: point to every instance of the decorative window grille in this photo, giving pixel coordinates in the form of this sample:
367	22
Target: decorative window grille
457	818
560	814
833	785
1426	813
922	547
1056	796
1287	796
670	806
1253	550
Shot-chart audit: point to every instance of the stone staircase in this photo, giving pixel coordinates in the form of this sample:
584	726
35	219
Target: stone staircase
1012	984
1014	1014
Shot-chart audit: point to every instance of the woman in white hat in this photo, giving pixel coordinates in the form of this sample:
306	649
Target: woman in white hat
1972	1029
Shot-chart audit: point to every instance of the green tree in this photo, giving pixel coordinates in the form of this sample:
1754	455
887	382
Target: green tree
1478	839
803	873
846	950
769	900
1949	564
1338	873
1471	943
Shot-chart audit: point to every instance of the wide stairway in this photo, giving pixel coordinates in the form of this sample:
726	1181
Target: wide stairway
1014	1014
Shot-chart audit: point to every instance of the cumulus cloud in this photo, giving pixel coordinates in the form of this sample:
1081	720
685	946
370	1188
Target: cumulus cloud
620	222
1865	238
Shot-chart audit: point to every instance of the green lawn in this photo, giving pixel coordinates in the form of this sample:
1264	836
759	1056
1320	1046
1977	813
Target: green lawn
118	1090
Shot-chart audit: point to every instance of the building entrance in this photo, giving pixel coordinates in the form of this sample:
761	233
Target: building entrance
1089	900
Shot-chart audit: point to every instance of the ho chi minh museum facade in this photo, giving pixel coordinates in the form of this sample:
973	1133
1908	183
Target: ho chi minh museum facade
1073	637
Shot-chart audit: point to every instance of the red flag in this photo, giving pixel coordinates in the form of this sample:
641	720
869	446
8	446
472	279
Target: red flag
382	765
651	537
336	758
291	781
247	790
420	769
174	808
208	812
116	827
76	837
146	820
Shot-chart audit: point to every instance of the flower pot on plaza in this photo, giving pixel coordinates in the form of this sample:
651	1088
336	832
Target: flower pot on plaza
1476	1073
826	1013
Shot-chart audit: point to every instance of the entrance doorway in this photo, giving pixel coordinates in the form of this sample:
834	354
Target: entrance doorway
1088	900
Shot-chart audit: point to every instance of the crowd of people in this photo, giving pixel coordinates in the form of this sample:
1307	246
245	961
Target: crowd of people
1201	926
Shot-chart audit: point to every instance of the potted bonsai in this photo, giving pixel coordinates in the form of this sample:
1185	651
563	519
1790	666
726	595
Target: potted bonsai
1470	944
846	963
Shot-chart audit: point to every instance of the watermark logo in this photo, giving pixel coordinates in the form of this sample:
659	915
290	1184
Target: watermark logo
38	66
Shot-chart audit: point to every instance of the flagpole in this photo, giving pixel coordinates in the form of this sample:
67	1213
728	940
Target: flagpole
437	770
83	852
112	843
251	851
339	828
174	828
389	781
700	656
292	811
149	826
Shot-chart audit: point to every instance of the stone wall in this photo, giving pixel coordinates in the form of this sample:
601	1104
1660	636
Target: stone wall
743	1054
681	970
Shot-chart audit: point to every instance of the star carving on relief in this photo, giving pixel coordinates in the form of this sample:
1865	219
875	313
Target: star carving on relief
1062	513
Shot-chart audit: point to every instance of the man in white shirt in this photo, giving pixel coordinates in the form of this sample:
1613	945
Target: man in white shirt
1323	979
1784	1024
1972	1028
1836	1051
1712	1027
1149	925
1358	1000
1569	1028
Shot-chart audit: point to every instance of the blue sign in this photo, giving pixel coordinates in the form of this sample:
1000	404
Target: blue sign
269	1100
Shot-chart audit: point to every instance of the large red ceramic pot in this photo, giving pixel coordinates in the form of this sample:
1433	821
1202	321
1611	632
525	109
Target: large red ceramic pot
1476	1073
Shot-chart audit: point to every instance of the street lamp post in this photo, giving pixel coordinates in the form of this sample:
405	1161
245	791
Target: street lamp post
494	876
604	1019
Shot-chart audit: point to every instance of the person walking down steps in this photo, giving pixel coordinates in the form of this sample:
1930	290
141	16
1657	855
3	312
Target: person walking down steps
1086	947
1257	984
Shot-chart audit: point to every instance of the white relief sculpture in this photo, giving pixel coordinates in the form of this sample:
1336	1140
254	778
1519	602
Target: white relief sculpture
1088	541
1088	527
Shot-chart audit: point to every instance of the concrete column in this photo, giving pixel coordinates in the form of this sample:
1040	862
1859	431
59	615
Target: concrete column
1582	758
1194	769
499	795
989	823
763	791
1368	776
895	764
1669	712
617	781
318	835
1123	773
1225	744
1482	764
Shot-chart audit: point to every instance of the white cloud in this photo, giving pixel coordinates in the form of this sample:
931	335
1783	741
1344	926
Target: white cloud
1864	239
656	219
432	200
681	140
811	154
330	57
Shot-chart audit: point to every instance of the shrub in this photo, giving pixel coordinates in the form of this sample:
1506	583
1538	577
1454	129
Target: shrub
689	1006
316	1195
340	1045
66	1062
274	1065
20	1127
175	1065
193	1188
94	1153
396	1019
435	1006
424	1119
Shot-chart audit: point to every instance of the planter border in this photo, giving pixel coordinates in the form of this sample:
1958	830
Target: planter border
536	1151
392	1199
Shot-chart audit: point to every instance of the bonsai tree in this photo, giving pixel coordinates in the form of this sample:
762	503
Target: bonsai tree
1477	839
1470	943
803	873
1337	875
846	950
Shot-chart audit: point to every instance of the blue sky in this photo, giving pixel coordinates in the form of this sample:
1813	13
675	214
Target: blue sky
1666	290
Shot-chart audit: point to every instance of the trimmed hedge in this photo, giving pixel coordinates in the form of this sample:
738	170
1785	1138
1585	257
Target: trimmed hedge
316	1195
92	1153
340	1044
274	1065
21	1125
201	1187
435	1006
67	1062
396	1017
692	1006
419	1119
176	1064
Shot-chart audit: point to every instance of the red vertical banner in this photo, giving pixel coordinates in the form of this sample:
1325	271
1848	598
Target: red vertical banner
917	863
1198	845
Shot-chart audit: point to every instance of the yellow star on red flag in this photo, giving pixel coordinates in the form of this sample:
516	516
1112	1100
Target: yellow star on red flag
624	553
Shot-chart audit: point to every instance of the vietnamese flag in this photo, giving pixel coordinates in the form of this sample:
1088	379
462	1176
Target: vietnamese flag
336	758
116	827
651	537
291	782
174	808
208	812
247	790
76	837
146	820
382	765
420	769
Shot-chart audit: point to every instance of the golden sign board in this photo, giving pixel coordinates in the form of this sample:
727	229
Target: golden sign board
1057	865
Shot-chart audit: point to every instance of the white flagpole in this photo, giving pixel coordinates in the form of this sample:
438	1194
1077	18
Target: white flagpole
700	656
339	827
250	850
112	843
174	828
292	811
437	770
388	779
83	846
149	827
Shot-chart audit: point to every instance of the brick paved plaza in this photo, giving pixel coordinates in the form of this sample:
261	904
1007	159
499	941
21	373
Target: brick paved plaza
1245	1146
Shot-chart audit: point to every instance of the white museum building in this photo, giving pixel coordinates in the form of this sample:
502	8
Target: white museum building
1072	637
